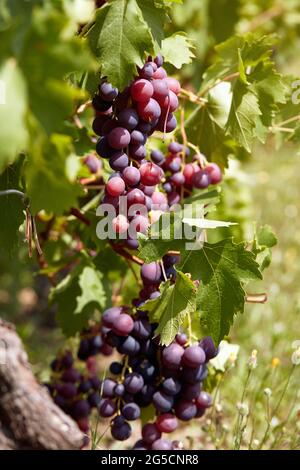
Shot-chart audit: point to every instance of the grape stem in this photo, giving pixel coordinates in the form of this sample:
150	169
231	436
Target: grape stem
126	255
189	95
257	298
80	216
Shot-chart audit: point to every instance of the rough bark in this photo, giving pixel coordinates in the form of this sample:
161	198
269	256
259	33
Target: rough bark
28	417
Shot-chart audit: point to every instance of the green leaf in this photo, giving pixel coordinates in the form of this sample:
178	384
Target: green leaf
13	103
119	39
222	269
177	50
264	240
50	184
77	296
155	16
92	291
11	207
171	308
244	115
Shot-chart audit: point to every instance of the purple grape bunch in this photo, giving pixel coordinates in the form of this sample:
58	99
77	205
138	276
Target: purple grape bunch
173	386
74	391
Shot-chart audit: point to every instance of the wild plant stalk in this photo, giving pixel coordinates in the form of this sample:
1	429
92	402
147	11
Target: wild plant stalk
266	434
239	428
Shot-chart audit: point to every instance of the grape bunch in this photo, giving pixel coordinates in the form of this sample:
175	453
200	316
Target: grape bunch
92	342
124	121
169	377
76	393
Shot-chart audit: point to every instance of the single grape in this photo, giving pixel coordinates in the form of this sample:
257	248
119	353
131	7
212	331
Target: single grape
141	329
83	424
173	85
141	90
132	244
67	390
177	179
133	382
108	126
147	190
163	402
112	200
123	325
201	180
185	410
98	123
161	90
120	224
172	355
160	74
160	200
107	408
140	445
168	187
171	386
151	174
204	400
193	356
173	164
208	347
119	390
181	338
170	260
108	388
118	138
108	92
131	411
166	422
137	138
135	196
103	148
128	118
159	60
131	176
151	273
121	433
154	295
188	171
214	172
147	71
157	156
162	444
116	368
137	152
150	433
150	110
167	123
109	316
130	346
115	186
119	161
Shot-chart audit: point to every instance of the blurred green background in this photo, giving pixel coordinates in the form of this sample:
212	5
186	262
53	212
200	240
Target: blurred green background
265	189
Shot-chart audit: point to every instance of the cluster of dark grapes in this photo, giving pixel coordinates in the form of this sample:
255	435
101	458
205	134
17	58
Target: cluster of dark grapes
169	377
76	393
92	343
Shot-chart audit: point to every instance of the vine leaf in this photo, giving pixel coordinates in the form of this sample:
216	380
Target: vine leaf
264	241
119	40
77	296
177	50
222	269
171	308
